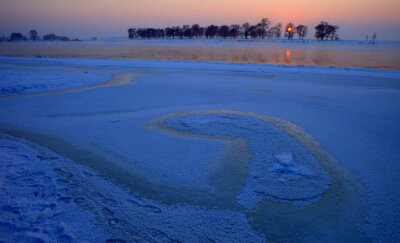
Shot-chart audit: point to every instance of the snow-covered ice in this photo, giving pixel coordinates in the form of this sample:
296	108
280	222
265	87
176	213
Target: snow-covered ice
287	166
35	79
47	198
342	148
35	206
271	163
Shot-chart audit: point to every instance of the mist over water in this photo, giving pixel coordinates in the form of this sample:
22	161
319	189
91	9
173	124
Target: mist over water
342	55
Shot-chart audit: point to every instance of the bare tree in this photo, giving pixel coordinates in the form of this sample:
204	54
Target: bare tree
33	35
53	37
178	32
196	30
223	31
289	31
260	30
234	30
279	30
187	31
246	27
320	30
253	31
301	31
211	31
275	32
333	32
325	30
131	33
263	27
17	37
373	38
169	33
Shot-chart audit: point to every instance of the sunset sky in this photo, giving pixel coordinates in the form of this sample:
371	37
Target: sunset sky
112	18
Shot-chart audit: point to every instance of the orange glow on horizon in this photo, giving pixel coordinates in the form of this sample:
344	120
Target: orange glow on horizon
113	17
163	11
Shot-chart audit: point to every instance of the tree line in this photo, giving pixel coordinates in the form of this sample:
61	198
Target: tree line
262	30
34	36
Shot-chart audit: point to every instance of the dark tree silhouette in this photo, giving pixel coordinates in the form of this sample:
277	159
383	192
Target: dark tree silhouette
50	37
53	37
253	31
263	27
202	30
187	31
301	31
197	31
332	32
246	27
324	31
211	31
280	30
161	33
17	37
259	30
147	33
289	31
275	32
33	35
373	38
223	31
169	32
234	31
320	30
131	33
178	32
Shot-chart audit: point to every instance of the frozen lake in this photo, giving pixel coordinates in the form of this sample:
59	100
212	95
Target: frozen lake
358	54
152	150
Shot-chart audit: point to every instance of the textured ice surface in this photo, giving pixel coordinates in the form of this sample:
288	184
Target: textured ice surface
34	202
353	113
181	162
281	169
45	197
208	66
286	166
14	80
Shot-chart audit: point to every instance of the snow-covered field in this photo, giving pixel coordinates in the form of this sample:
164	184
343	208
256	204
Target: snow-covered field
197	151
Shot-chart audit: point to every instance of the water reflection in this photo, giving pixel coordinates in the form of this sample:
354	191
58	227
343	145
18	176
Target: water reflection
320	58
287	57
253	54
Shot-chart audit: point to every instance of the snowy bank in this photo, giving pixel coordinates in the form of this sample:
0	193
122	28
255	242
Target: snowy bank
50	198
